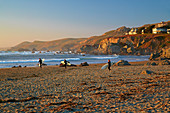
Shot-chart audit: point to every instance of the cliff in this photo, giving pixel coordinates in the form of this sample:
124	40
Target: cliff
111	42
134	44
140	44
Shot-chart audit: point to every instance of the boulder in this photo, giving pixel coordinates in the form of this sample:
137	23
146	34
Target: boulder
146	72
154	56
161	55
84	64
150	63
164	62
166	53
122	63
17	66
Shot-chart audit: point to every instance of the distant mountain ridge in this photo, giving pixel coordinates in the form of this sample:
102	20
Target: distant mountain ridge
56	45
111	42
66	44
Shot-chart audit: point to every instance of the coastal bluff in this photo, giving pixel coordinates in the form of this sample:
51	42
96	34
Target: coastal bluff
118	41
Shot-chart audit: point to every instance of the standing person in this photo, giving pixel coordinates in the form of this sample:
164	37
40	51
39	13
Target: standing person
65	62
109	64
40	62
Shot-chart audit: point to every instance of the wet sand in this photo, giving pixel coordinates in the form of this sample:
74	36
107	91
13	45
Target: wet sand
134	88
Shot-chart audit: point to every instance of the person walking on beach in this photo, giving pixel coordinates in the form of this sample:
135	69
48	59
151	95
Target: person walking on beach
40	62
65	62
109	64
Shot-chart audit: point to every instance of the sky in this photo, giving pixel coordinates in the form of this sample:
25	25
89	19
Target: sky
46	20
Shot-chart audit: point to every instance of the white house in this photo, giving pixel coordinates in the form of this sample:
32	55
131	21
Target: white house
143	31
133	31
159	30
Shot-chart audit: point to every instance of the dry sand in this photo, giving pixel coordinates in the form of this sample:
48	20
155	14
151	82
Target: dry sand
86	89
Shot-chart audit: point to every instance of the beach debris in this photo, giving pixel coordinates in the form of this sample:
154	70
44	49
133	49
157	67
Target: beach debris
122	63
84	64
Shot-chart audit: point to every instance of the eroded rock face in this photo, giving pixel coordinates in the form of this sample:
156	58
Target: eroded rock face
164	62
154	56
162	55
166	53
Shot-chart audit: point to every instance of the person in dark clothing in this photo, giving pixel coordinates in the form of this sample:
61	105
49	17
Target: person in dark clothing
40	62
109	64
65	63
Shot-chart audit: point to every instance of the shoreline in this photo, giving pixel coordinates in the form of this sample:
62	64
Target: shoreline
132	63
133	88
50	59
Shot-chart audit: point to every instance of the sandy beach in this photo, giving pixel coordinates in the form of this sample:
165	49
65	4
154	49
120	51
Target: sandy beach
134	88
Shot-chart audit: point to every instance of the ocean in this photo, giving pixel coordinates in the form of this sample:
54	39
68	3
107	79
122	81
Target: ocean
9	59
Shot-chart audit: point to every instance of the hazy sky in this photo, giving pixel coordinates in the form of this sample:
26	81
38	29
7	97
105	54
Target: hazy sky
30	20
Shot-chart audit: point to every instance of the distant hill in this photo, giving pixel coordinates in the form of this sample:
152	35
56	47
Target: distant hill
111	42
56	45
4	48
67	43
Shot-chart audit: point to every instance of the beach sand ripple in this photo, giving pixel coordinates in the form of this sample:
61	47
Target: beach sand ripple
134	88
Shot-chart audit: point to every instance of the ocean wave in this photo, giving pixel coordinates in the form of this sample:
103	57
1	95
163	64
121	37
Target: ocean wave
24	52
101	57
35	60
61	58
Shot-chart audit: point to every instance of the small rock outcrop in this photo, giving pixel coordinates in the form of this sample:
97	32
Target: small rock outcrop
84	64
122	63
146	72
164	62
166	53
150	64
154	56
162	55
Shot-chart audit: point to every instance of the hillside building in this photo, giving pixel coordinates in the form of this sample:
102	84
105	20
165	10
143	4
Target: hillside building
133	31
159	30
162	24
143	31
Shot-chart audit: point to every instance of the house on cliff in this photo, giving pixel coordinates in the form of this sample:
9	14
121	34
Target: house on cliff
159	30
162	24
133	31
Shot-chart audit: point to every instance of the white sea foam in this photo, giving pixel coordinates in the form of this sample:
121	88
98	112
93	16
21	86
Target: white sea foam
9	59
